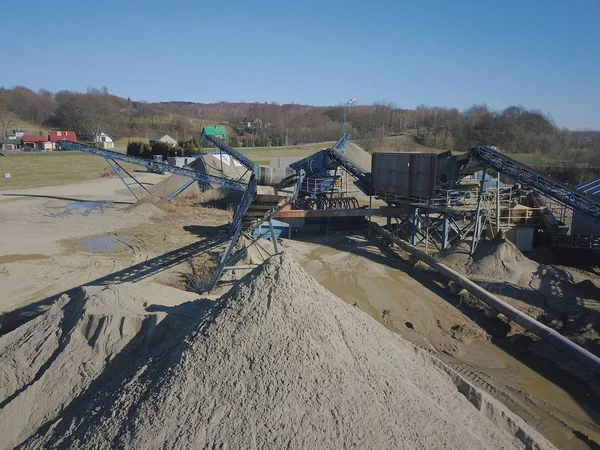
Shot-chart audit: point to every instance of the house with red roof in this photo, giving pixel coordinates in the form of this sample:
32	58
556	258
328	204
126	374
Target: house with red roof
37	142
59	135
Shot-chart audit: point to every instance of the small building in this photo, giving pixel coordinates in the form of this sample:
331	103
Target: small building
16	133
255	124
58	135
583	225
218	131
7	144
181	161
104	140
161	137
37	142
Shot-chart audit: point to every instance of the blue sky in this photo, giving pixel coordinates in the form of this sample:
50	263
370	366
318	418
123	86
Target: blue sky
540	54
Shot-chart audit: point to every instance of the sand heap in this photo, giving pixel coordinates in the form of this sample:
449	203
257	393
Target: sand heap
495	260
169	185
146	210
277	362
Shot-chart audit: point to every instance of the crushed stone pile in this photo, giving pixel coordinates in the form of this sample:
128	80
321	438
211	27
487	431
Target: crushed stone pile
277	362
495	260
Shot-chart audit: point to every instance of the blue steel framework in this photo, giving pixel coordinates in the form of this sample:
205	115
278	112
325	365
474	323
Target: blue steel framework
244	160
521	173
364	178
237	226
113	157
489	158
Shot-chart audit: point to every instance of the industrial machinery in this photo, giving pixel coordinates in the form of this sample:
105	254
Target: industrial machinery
263	203
113	159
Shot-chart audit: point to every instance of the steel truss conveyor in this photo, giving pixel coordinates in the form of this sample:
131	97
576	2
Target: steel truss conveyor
363	178
113	159
527	176
244	160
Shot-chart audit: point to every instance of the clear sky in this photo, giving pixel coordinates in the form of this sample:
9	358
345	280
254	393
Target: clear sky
540	54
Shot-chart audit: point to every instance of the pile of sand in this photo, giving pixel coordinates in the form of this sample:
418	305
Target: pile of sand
495	260
277	362
169	185
53	359
358	156
146	210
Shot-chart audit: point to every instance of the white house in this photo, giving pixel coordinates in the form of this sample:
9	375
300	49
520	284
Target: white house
163	138
104	140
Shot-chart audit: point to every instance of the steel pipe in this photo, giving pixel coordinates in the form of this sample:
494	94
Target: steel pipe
552	337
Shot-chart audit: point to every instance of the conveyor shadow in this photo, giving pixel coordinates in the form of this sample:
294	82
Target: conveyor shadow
69	199
13	319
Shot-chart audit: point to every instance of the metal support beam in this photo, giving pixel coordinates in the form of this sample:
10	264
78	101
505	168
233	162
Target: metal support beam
477	231
116	167
178	191
152	165
415	224
273	238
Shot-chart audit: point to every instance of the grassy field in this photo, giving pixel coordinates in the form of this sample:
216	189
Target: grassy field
51	169
261	155
34	128
122	143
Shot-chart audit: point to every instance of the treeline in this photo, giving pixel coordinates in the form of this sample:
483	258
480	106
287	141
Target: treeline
87	113
183	148
514	129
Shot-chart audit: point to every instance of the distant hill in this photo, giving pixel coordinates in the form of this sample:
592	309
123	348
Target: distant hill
513	129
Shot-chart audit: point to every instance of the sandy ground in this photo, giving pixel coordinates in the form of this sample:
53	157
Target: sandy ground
277	362
44	251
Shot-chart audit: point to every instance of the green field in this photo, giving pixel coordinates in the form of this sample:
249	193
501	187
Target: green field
34	128
261	155
51	169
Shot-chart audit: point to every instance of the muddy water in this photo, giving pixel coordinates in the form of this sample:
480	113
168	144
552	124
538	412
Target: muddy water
18	258
101	244
359	274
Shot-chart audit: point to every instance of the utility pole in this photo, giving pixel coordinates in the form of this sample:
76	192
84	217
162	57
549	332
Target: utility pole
348	103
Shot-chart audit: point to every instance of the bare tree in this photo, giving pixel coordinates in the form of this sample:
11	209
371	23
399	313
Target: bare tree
6	119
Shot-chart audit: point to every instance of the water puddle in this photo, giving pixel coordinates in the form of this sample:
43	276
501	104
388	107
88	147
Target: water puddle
101	244
85	207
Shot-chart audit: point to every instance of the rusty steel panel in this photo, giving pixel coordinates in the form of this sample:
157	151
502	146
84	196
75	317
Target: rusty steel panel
404	174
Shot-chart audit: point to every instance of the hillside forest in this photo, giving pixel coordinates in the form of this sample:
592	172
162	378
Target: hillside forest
513	130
